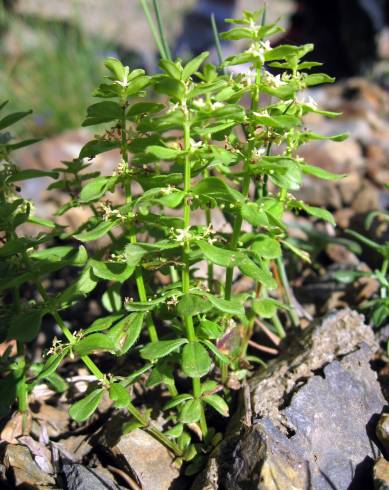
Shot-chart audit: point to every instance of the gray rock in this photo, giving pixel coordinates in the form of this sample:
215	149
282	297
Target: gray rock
25	472
149	462
79	477
314	411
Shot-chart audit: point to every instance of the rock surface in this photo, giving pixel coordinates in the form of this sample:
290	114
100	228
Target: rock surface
79	477
313	416
26	473
150	464
382	432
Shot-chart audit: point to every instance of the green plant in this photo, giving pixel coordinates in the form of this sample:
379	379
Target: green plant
199	152
378	306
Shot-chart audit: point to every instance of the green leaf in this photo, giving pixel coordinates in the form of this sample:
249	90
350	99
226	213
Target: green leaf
119	395
82	286
51	364
173	88
319	213
31	174
238	33
94	342
317	79
219	256
134	254
85	407
171	68
192	304
195	360
217	402
320	172
112	298
266	247
209	330
267	307
143	108
130	426
95	147
111	271
116	68
177	400
175	431
231	307
259	274
130	329
65	254
95	189
103	323
97	232
191	412
163	152
217	189
254	214
26	325
193	65
156	350
219	355
103	112
12	119
282	122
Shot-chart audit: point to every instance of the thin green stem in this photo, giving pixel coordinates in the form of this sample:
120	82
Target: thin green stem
188	321
153	29
162	31
217	40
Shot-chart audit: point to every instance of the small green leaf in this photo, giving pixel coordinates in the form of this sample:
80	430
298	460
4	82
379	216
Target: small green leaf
231	307
177	400
209	330
119	395
191	412
92	343
95	189
320	172
12	119
193	65
259	274
175	431
219	355
85	407
192	304
102	112
267	307
134	254
111	271
95	147
217	402
219	256
25	326
195	360
163	152
162	348
112	298
266	247
97	232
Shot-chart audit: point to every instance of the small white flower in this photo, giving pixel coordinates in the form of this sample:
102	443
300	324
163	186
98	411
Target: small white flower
217	105
257	154
273	81
195	144
199	103
182	234
172	108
